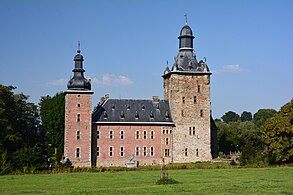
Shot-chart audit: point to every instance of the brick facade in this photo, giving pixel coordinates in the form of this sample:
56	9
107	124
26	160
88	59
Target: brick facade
78	128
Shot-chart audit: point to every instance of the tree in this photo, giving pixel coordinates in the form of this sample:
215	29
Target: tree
230	117
246	116
52	115
260	117
277	134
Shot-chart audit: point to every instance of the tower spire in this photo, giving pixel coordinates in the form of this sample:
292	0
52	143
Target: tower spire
78	47
185	15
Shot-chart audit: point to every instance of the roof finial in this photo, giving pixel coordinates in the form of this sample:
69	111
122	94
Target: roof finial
185	15
78	47
167	63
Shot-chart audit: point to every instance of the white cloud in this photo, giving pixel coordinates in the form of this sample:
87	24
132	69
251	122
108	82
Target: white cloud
111	80
58	82
231	68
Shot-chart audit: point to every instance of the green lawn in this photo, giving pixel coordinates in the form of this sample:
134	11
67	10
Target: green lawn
199	181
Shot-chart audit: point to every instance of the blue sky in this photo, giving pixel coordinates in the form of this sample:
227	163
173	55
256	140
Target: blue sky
248	45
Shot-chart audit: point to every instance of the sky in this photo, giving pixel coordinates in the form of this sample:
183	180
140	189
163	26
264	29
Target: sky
248	46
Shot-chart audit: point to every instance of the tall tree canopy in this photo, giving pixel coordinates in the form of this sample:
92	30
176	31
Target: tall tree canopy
52	115
278	135
260	117
246	116
230	117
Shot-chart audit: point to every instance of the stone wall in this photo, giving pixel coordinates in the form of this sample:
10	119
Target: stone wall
189	99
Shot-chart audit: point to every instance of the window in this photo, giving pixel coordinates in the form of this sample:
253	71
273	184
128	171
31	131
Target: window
77	152
167	141
111	134
122	134
144	134
193	130
152	151
196	151
98	151
201	113
121	151
98	134
152	134
167	152
170	131
137	134
163	131
77	134
167	131
185	151
78	95
144	151
110	151
189	130
182	113
183	100
198	88
78	105
194	99
137	151
78	118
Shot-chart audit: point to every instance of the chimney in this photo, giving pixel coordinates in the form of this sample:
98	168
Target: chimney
156	99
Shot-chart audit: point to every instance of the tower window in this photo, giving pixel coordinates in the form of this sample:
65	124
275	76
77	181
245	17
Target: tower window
167	152
152	151
110	151
137	151
152	134
183	100
201	113
98	151
185	151
77	134
193	130
167	141
78	105
77	152
182	113
196	151
122	134
198	88
121	151
111	134
145	151
189	130
194	99
78	118
144	134
98	134
137	135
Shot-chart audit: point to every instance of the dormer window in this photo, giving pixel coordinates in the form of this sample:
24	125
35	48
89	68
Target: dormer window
152	115
122	114
136	115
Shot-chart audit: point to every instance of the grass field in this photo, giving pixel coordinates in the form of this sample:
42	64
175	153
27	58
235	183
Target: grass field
199	181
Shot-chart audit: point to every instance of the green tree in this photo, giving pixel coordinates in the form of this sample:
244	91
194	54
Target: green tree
246	116
230	117
260	117
52	115
277	134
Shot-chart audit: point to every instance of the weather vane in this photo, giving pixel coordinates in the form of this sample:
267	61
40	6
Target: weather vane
185	15
78	47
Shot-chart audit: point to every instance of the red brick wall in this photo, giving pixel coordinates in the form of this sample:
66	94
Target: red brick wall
130	142
78	103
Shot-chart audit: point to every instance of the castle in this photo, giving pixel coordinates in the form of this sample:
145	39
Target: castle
118	131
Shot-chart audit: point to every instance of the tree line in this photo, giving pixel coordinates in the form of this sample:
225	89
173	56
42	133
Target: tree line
31	136
263	138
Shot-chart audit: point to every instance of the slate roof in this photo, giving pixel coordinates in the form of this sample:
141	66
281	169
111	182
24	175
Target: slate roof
132	111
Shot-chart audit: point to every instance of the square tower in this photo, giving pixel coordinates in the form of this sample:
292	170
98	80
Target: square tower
78	118
187	88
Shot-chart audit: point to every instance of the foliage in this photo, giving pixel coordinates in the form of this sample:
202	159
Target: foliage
230	117
5	164
246	116
260	117
278	135
52	115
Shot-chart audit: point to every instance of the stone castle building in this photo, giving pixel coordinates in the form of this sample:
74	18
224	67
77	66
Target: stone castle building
177	129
